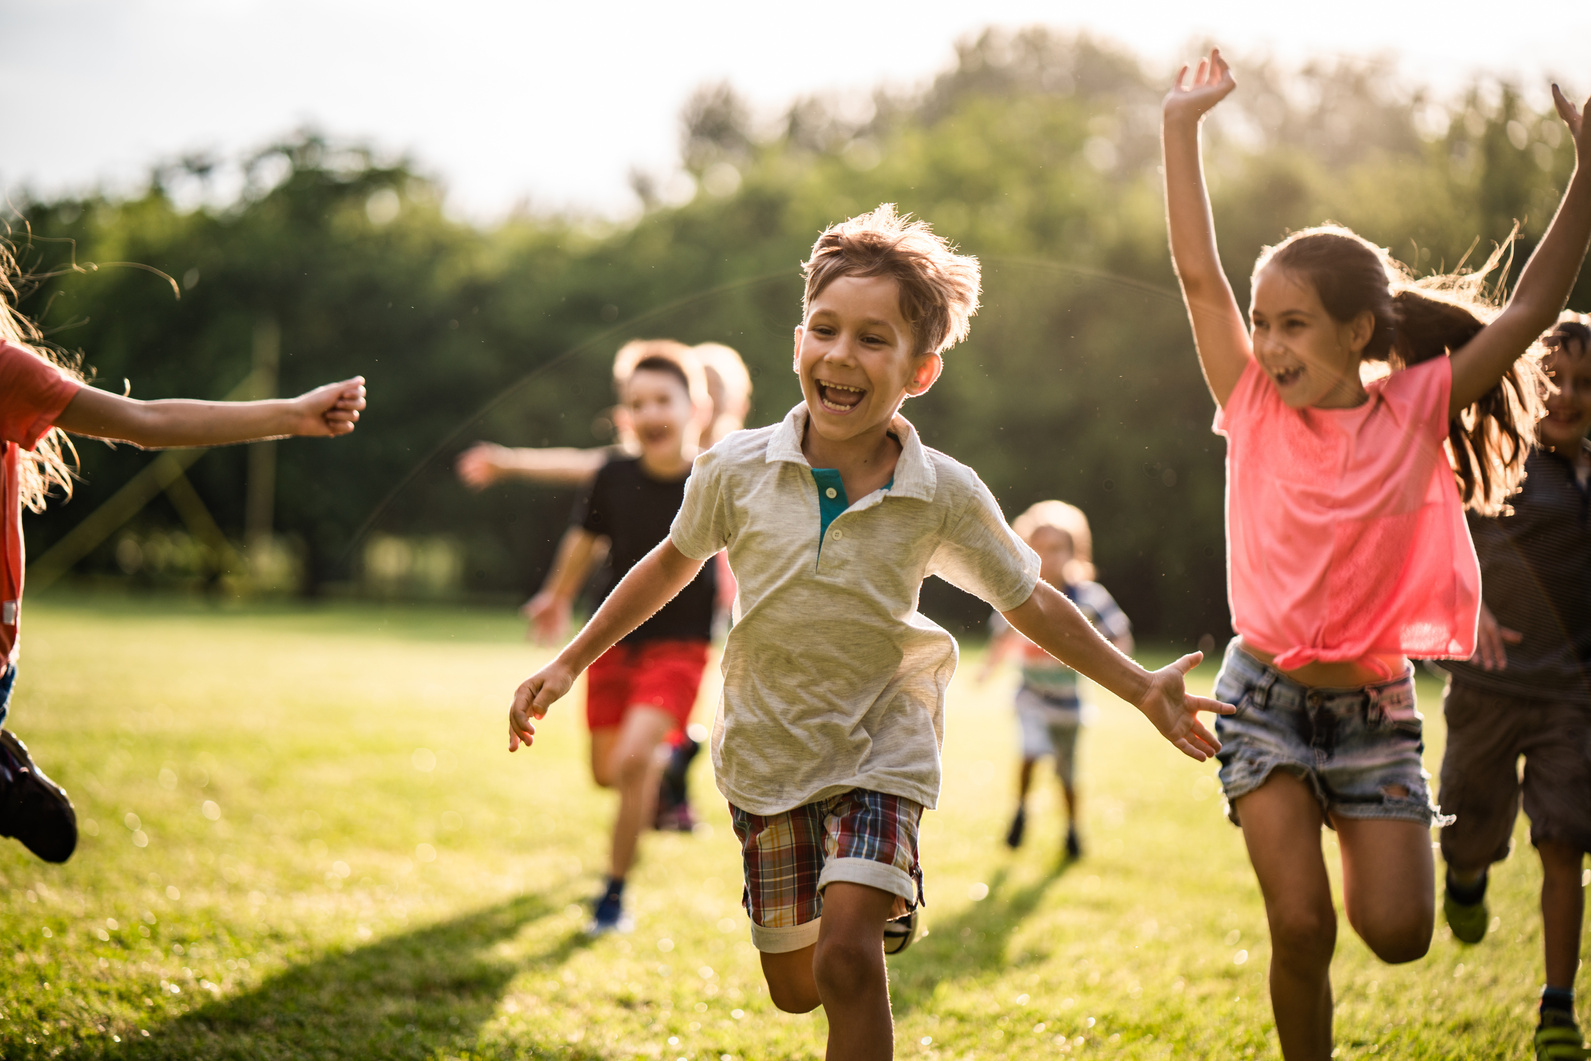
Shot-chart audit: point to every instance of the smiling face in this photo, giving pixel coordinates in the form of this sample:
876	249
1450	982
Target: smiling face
856	360
1312	358
1569	411
657	408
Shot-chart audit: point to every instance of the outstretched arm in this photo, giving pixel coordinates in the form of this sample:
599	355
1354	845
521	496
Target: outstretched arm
579	551
486	462
1054	624
1544	283
1218	330
649	585
325	411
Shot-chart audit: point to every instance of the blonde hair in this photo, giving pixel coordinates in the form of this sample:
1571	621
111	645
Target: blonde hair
938	288
734	388
1070	521
53	460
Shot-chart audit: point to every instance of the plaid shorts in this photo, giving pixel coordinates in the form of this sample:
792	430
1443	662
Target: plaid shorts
859	836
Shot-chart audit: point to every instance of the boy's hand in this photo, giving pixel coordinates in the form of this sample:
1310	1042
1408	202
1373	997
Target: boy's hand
532	699
330	410
481	465
1490	638
1176	714
548	613
1212	82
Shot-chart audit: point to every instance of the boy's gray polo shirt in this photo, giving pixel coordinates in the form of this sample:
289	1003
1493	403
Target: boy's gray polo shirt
832	678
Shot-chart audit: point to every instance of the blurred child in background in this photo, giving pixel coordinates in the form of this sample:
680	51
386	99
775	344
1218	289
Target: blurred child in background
485	463
42	395
1048	709
1526	693
642	689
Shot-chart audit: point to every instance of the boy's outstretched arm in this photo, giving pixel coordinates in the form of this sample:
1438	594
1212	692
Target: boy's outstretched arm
325	412
649	585
1219	333
1544	283
1054	624
486	462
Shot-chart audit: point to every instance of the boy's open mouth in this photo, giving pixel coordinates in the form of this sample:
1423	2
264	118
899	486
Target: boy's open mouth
1284	376
838	397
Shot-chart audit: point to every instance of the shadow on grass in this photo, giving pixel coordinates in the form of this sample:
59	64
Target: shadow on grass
971	943
422	994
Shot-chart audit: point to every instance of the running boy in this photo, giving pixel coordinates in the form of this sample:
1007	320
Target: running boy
1532	696
1048	710
642	689
826	742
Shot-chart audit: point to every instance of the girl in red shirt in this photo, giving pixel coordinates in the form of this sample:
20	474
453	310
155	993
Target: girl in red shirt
41	397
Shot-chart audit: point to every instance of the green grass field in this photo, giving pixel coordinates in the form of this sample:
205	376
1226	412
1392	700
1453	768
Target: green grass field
303	837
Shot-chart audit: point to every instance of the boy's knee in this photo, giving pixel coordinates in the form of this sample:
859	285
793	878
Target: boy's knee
847	967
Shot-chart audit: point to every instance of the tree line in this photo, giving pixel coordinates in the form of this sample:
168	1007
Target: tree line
1036	151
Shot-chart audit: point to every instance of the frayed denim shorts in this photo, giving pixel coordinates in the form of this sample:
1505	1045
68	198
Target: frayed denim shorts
1357	749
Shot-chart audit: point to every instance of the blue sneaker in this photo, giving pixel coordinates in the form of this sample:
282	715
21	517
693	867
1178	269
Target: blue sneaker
609	916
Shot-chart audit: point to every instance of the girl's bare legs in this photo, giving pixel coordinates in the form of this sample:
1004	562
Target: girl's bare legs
1388	885
1562	911
624	757
1281	826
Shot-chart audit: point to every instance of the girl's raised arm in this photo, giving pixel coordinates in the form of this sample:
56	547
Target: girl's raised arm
1218	329
1544	283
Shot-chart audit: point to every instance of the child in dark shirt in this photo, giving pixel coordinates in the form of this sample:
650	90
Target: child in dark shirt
642	689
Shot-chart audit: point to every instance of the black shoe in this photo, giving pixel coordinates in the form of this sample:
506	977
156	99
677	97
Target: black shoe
673	801
1074	847
34	809
1019	824
901	932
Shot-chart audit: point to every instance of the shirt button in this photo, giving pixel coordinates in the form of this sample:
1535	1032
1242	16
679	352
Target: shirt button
838	535
831	493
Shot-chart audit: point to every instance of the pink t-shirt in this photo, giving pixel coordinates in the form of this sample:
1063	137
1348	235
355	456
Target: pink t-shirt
32	394
1345	531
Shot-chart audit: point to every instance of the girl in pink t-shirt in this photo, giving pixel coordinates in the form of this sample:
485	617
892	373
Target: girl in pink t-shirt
1347	547
40	398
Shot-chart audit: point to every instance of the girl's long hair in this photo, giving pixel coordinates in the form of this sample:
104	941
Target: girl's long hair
53	460
1417	319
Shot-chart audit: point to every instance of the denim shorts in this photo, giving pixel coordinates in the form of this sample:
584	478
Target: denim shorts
1049	727
1355	748
8	681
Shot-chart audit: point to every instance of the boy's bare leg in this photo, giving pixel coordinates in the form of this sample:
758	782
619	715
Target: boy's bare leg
790	982
1069	801
1281	826
1024	780
848	968
631	765
1562	911
1388	885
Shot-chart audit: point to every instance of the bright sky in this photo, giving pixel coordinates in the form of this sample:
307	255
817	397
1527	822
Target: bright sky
554	103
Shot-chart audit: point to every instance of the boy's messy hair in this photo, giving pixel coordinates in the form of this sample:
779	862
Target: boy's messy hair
1070	521
1417	319
938	288
53	460
665	355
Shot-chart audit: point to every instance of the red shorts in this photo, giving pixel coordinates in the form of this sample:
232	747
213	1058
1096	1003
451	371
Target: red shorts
660	674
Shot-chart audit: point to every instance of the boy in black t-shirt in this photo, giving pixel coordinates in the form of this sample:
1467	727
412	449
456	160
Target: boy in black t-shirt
642	689
1527	694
